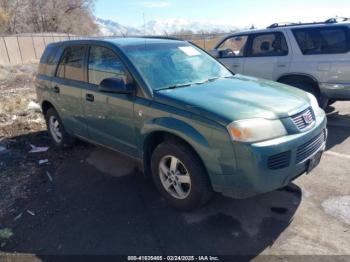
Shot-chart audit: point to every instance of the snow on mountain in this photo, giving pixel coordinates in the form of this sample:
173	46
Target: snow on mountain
110	28
162	27
174	26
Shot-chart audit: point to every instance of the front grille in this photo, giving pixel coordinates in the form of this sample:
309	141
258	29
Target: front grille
306	150
278	161
304	119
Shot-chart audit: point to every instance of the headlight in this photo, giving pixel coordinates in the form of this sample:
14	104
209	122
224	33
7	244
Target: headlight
314	103
256	129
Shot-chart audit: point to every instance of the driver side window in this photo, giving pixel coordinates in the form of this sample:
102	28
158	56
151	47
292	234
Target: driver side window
104	63
233	46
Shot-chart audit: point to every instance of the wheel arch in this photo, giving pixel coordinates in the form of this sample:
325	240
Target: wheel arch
46	105
167	129
300	78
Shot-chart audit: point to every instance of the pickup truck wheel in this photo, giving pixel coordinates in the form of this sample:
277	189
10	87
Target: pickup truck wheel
180	177
56	130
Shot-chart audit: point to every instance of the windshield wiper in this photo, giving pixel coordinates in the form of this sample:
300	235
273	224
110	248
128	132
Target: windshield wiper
184	85
212	79
178	85
193	83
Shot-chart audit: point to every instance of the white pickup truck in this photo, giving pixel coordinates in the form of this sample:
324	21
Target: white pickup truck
314	57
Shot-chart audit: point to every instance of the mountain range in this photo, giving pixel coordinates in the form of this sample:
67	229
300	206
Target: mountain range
161	27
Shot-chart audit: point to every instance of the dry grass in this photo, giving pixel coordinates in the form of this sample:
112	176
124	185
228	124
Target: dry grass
207	44
16	92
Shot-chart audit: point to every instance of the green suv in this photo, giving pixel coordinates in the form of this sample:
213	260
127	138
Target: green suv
194	126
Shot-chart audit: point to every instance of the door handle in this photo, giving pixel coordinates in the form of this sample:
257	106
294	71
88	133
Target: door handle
281	65
56	89
89	97
235	66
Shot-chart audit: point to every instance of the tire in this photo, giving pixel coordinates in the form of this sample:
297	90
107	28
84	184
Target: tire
55	127
331	102
189	168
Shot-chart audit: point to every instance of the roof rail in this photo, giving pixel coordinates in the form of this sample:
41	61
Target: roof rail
328	21
281	24
337	19
161	37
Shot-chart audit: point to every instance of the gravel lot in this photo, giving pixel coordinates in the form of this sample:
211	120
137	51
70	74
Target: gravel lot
89	200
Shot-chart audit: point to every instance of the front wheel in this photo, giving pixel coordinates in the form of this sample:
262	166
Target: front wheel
56	129
180	176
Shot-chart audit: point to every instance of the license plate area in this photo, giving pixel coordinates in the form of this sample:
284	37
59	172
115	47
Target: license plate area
314	161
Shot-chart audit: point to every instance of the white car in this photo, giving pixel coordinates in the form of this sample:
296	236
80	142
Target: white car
314	57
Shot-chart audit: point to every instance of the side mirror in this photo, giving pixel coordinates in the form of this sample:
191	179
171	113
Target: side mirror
215	53
115	85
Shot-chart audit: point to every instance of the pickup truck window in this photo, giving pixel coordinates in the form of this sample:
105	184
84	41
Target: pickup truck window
323	40
104	63
72	63
167	65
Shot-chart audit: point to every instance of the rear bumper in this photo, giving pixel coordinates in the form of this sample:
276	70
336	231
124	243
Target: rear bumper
337	91
254	176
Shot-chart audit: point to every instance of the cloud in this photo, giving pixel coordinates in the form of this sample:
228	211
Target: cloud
154	4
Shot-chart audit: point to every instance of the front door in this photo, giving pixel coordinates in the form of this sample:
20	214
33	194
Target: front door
109	116
267	55
232	53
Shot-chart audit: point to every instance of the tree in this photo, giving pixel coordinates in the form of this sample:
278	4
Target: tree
4	20
33	16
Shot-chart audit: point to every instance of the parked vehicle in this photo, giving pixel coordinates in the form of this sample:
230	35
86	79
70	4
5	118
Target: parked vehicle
314	57
194	126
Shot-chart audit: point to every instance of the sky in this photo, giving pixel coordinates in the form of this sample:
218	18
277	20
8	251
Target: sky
229	12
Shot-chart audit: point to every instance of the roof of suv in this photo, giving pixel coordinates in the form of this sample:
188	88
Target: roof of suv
277	27
122	42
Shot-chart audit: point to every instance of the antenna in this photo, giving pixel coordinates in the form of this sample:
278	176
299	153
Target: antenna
144	27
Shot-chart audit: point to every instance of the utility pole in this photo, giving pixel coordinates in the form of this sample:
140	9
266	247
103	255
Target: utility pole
144	24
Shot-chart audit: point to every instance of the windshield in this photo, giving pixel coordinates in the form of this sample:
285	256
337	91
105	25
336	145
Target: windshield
170	65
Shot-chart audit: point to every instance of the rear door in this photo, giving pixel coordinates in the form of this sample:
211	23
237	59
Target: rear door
109	116
232	53
267	55
323	52
67	85
46	74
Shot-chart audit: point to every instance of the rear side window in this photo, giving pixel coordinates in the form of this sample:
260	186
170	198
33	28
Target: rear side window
72	63
269	44
104	63
49	60
323	40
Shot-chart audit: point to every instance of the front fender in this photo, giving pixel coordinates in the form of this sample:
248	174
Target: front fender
197	140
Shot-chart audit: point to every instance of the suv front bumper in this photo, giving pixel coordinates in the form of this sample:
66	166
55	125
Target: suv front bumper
336	91
254	174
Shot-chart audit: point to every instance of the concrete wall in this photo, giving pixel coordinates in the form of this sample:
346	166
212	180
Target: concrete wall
24	49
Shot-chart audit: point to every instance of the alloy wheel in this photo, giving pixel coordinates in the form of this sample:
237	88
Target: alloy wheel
55	130
175	177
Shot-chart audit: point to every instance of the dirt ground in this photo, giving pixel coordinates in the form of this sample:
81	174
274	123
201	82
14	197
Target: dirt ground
89	200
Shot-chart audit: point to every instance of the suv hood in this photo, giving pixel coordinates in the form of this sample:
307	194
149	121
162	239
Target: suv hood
240	97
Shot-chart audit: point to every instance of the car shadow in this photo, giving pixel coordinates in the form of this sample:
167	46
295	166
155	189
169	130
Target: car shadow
336	136
87	210
338	127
